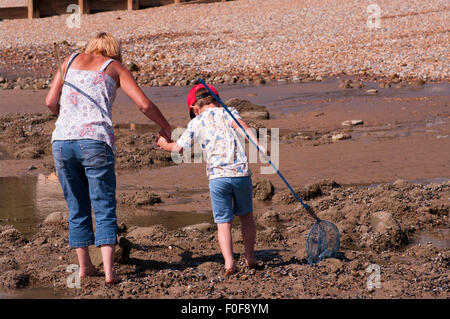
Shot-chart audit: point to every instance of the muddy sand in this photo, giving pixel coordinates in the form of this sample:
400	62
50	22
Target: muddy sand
384	183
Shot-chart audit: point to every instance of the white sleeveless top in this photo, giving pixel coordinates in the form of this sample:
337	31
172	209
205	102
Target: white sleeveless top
86	106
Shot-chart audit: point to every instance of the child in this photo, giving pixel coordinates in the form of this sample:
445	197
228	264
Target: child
230	181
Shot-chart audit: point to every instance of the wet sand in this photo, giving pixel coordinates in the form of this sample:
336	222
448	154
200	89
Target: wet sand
405	136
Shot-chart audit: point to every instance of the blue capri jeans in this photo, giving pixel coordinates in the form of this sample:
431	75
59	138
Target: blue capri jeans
86	172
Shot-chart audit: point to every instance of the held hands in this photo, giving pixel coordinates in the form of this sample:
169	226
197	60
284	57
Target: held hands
161	142
166	133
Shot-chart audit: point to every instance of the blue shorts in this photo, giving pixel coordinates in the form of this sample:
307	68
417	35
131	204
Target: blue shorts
86	172
230	196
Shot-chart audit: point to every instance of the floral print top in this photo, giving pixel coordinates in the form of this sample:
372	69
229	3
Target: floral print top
222	145
86	106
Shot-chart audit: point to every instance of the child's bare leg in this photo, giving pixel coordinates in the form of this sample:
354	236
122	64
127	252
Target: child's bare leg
248	229
226	244
108	264
86	267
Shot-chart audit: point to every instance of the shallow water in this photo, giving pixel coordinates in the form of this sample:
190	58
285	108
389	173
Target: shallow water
30	293
437	237
25	201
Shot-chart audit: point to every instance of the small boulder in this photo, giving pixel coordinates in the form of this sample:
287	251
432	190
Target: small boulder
123	250
350	123
340	136
202	227
56	218
263	189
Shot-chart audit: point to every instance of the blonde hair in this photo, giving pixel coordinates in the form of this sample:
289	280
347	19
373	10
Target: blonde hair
105	44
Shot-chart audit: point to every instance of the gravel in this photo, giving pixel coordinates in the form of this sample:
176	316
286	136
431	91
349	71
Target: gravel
248	40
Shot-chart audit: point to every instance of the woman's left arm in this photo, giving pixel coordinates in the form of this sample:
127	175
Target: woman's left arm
53	96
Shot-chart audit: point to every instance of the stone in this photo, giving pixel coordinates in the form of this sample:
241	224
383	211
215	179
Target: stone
269	218
263	189
417	82
259	81
340	136
352	123
249	109
56	217
345	84
145	232
333	265
123	250
383	222
202	227
255	115
132	67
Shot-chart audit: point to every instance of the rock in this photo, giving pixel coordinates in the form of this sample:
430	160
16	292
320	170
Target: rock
255	115
400	183
254	111
332	264
132	67
306	193
123	250
417	82
345	84
140	198
269	218
259	81
386	233
383	222
394	76
372	91
340	136
11	236
202	227
56	217
351	123
14	279
263	189
146	232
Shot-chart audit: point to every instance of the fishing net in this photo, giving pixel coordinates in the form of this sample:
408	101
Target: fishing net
322	242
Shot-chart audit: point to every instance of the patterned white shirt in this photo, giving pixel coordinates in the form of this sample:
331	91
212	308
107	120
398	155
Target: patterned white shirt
220	142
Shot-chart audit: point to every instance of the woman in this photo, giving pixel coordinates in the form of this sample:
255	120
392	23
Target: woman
83	144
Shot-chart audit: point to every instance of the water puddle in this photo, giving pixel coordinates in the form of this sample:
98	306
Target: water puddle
31	293
27	200
438	237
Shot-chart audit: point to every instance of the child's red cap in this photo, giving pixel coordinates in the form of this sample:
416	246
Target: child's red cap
191	96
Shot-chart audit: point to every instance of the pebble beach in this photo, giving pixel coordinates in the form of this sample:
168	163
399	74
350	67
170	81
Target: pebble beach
250	41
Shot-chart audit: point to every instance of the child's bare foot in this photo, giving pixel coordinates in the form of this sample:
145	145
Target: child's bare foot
88	272
112	279
230	269
251	262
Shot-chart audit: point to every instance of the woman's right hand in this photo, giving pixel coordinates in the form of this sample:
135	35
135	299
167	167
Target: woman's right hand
166	133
